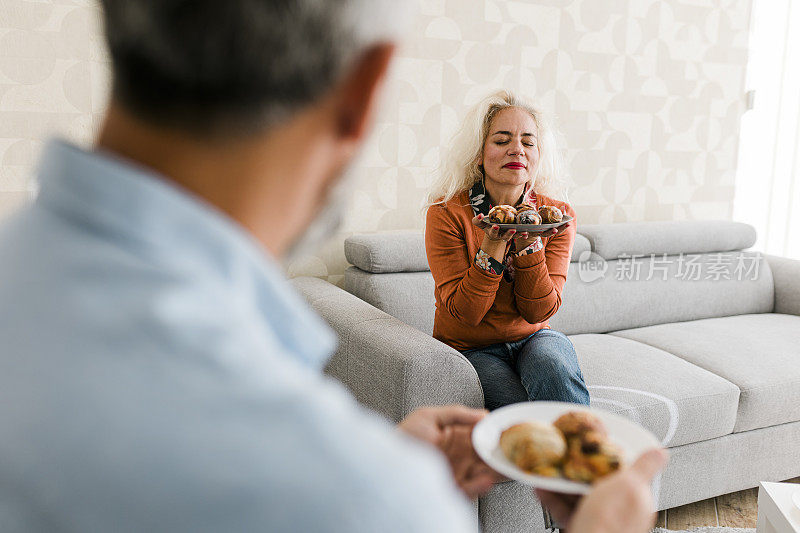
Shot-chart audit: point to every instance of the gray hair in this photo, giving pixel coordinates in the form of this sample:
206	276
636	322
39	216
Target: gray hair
238	66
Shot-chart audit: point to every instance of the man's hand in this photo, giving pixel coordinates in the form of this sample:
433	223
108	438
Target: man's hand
449	428
620	503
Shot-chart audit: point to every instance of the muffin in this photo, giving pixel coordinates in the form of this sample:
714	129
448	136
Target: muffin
528	214
577	423
591	457
548	471
502	214
534	447
550	214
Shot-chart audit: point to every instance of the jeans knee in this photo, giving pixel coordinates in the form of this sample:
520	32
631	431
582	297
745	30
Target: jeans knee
550	370
558	361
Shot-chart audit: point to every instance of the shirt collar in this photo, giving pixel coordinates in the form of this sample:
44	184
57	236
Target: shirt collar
148	214
481	203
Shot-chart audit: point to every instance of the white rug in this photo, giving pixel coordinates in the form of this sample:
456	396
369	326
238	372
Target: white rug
705	530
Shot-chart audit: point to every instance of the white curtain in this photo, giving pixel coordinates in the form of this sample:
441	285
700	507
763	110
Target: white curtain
768	172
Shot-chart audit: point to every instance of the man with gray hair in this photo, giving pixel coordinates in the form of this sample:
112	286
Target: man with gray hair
158	372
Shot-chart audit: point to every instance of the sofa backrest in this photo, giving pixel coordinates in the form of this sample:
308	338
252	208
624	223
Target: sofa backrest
391	272
621	276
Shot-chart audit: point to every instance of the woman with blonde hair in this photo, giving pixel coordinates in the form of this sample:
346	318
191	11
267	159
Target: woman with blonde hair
495	291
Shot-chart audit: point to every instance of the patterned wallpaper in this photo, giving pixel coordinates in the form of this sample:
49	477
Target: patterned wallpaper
647	93
54	76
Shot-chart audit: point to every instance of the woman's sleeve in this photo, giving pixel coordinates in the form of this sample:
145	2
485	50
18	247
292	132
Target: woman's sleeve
540	276
465	290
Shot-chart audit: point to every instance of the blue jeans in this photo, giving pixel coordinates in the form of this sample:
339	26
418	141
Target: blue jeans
543	366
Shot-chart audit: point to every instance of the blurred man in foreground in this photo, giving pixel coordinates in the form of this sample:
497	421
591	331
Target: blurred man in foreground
159	374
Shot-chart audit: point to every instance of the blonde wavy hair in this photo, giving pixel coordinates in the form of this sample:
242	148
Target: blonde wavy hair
460	168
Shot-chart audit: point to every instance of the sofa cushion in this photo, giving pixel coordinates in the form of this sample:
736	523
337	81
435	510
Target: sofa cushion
758	353
579	247
668	237
786	274
589	305
678	401
623	294
510	507
404	251
407	296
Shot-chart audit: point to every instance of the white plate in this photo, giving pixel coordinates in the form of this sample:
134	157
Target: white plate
630	436
796	498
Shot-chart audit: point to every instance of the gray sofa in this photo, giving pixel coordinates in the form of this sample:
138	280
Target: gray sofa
674	324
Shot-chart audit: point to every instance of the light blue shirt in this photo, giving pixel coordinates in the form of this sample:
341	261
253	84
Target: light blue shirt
157	373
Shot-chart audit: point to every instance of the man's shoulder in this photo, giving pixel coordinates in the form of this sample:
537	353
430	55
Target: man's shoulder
83	289
244	438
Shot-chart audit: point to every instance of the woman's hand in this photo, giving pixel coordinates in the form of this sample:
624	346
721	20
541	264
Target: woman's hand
492	231
526	238
494	240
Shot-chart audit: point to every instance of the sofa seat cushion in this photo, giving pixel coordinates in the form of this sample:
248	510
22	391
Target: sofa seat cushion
678	401
759	353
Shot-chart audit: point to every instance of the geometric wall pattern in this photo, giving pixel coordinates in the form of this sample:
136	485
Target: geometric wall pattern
54	75
646	93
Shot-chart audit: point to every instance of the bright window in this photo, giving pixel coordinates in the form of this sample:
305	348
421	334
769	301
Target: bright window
768	172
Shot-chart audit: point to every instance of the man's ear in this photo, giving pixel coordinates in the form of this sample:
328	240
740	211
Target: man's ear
360	92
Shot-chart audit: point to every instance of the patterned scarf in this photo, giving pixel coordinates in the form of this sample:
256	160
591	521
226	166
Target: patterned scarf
481	204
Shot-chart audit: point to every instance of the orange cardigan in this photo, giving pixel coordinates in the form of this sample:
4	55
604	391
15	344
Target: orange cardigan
476	308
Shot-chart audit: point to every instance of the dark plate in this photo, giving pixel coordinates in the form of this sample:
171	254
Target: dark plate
532	227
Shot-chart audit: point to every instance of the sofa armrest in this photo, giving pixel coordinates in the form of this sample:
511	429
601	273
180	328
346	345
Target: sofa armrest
786	277
388	365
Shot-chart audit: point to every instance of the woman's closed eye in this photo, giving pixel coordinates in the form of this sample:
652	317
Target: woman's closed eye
506	142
